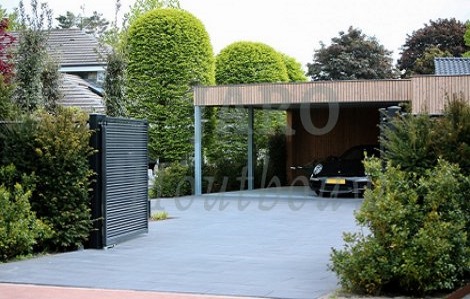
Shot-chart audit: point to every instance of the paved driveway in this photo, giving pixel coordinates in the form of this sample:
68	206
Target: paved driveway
271	243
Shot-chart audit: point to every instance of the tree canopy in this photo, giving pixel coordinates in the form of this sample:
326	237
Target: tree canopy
352	55
447	35
168	50
95	24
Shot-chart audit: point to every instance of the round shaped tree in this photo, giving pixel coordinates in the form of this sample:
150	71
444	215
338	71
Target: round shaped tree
168	50
249	62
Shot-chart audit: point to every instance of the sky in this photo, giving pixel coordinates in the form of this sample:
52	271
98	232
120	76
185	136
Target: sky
294	27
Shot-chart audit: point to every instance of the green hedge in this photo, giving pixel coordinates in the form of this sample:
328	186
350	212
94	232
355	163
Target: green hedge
169	51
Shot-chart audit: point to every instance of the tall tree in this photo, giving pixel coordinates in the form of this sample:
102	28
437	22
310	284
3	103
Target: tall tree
31	56
445	34
352	55
114	84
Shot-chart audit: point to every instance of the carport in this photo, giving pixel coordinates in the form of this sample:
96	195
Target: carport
323	118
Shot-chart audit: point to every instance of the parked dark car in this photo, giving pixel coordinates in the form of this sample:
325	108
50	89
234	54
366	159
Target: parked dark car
344	174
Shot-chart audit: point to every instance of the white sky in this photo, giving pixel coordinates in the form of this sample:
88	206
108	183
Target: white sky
294	27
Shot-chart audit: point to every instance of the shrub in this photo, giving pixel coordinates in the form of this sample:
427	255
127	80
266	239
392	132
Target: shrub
453	133
411	143
414	237
172	181
56	149
63	177
20	230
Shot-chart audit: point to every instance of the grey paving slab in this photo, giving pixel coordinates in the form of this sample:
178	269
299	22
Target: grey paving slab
273	243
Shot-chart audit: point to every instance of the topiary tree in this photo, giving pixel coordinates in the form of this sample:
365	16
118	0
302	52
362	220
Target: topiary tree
294	69
168	50
249	62
241	63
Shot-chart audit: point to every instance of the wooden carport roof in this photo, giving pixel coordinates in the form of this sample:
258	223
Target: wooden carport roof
427	94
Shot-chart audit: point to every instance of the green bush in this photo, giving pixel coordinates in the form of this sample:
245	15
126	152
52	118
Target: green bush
414	238
415	142
169	51
20	230
411	143
55	148
63	175
453	133
172	181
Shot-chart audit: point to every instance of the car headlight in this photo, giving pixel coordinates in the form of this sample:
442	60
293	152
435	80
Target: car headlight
317	169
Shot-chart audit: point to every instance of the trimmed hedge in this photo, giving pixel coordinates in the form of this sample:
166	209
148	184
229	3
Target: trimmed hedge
169	51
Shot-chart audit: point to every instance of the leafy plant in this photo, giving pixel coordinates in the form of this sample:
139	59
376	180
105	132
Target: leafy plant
172	181
63	175
414	236
20	230
56	149
114	85
160	215
31	56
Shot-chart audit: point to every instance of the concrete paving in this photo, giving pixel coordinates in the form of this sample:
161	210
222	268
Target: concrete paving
272	243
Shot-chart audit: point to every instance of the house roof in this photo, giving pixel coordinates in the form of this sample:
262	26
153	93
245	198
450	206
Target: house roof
77	92
452	66
73	48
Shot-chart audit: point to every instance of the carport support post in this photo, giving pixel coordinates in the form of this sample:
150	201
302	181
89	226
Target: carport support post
197	151
250	148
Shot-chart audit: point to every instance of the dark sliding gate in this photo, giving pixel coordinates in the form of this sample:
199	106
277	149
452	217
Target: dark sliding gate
120	193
